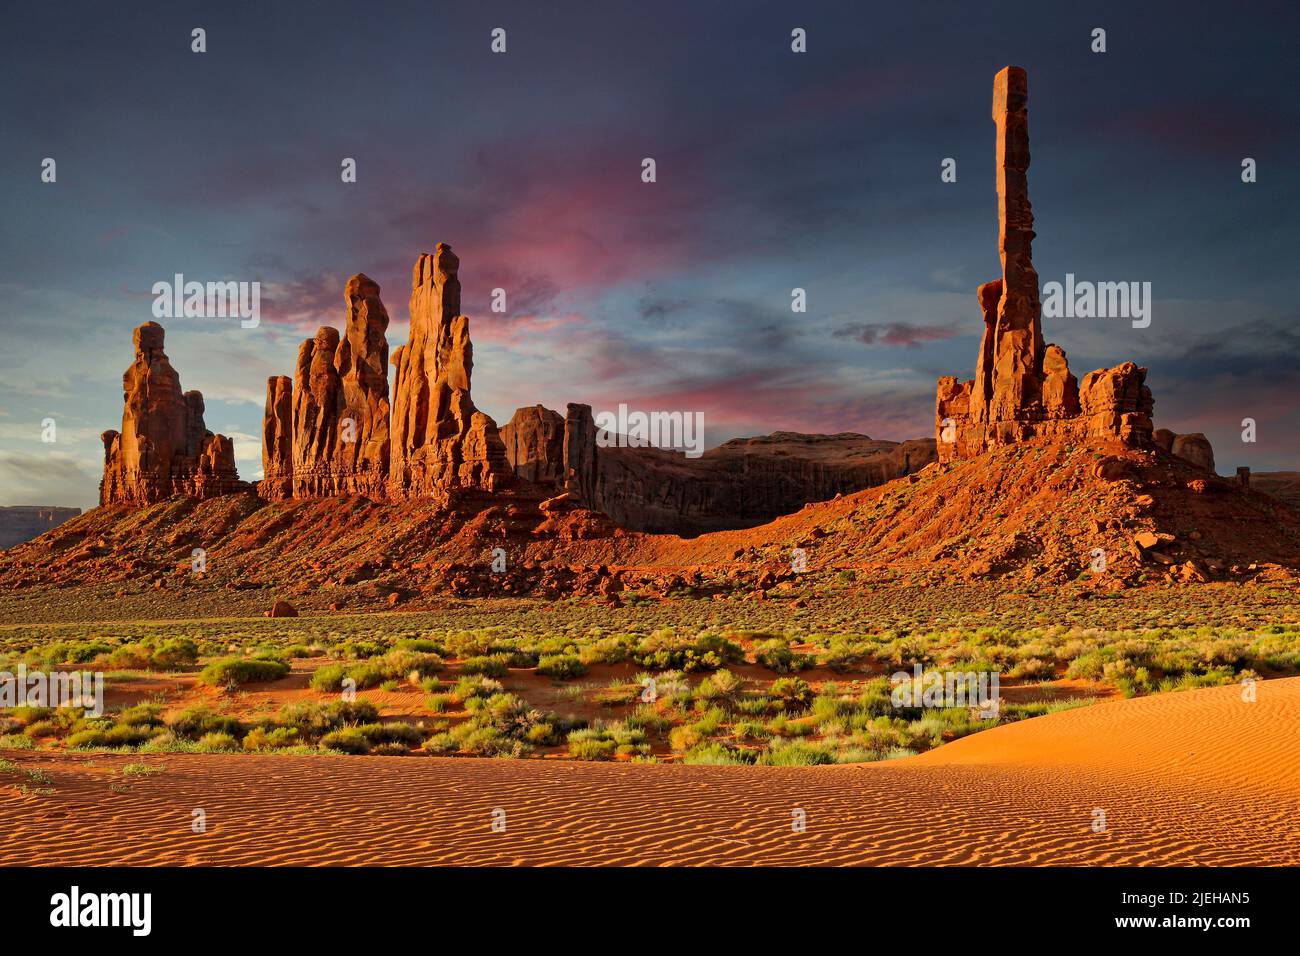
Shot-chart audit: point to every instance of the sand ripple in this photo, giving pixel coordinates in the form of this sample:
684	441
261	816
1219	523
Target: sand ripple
1184	779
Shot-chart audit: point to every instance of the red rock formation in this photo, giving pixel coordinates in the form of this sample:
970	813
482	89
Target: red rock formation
163	449
277	440
534	440
441	441
1023	388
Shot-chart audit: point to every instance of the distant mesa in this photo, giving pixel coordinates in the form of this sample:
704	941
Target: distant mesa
739	484
19	523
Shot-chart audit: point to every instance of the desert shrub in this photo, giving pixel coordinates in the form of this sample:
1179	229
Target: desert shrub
776	655
43	728
349	740
606	650
393	732
25	714
591	748
312	720
647	718
119	735
261	738
715	754
475	685
721	685
561	666
141	715
494	665
235	671
173	653
684	737
328	678
1032	668
402	663
129	657
217	743
795	754
543	734
355	649
791	691
664	649
421	645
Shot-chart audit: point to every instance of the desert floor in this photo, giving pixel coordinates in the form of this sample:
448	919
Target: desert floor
1200	777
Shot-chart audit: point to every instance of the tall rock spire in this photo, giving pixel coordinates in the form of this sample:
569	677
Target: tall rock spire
1023	388
440	441
1017	351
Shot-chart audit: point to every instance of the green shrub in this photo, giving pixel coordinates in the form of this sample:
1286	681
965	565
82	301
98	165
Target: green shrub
349	740
393	732
495	665
199	721
589	749
776	655
796	754
173	653
260	738
792	691
218	743
236	671
561	666
129	657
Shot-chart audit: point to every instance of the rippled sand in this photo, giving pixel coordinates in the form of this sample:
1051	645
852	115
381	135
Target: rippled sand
1190	778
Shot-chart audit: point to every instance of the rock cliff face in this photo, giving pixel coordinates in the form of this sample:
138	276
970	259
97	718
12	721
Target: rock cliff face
534	441
164	448
741	483
19	523
441	442
1023	388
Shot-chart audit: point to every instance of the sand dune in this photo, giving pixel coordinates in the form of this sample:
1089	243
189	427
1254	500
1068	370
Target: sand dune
1191	778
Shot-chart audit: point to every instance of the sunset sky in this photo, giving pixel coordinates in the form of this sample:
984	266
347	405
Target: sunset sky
775	170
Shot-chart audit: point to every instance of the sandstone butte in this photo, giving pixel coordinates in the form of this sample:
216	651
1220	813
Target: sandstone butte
334	429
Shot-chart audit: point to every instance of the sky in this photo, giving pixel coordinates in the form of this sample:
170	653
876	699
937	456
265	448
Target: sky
775	170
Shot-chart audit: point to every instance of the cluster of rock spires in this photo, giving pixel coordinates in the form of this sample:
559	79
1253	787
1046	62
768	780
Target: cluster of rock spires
334	429
1023	388
163	449
330	431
